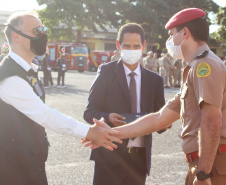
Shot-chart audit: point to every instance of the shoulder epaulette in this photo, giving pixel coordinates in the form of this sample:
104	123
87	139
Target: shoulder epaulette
201	55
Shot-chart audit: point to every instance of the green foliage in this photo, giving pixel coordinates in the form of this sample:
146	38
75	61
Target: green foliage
221	21
151	14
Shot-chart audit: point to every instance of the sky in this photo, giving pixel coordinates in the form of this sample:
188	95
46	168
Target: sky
13	5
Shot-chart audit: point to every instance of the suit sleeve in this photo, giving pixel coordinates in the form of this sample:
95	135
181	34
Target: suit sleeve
160	99
97	96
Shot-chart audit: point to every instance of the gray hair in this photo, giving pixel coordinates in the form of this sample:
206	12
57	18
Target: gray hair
15	20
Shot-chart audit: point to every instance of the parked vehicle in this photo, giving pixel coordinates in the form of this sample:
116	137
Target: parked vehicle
97	58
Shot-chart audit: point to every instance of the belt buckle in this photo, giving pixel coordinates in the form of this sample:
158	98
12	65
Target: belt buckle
189	158
131	149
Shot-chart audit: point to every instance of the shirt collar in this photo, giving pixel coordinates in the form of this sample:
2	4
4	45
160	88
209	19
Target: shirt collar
197	52
19	60
128	71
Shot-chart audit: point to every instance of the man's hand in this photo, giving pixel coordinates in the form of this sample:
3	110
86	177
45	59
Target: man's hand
100	134
116	119
205	182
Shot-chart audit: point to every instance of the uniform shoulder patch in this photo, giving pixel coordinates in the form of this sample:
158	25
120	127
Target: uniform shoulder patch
203	70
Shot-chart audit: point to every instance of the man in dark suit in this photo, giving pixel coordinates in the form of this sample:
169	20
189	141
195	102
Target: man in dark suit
121	87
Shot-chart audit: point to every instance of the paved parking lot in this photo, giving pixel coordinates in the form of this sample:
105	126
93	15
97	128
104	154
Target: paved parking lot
68	162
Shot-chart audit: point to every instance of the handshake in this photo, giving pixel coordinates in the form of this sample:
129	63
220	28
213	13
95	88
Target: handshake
100	134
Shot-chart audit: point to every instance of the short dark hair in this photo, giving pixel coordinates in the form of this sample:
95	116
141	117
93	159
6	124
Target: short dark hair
199	29
130	28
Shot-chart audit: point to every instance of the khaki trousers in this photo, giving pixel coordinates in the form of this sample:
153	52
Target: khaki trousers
218	171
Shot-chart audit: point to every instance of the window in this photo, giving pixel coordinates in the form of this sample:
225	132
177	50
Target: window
79	50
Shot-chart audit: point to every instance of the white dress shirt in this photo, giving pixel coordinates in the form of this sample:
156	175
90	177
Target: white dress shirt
17	92
138	141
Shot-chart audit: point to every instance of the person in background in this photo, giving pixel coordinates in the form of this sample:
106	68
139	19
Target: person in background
62	68
147	60
177	72
116	56
166	65
155	63
46	67
170	60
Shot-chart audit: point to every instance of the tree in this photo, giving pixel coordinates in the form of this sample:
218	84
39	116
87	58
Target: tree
61	16
221	21
153	14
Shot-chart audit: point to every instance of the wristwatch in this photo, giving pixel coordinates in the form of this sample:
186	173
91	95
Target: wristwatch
201	175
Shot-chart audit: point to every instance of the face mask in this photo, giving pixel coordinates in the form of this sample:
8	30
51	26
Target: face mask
174	51
37	44
131	56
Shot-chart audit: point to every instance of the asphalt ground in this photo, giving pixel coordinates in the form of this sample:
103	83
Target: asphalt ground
68	162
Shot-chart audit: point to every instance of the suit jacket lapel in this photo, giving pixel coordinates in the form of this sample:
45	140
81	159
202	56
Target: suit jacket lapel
145	84
120	73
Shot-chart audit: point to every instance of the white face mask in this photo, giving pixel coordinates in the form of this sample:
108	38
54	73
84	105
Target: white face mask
174	51
131	56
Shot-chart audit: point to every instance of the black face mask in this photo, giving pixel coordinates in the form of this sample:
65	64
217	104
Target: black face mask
37	44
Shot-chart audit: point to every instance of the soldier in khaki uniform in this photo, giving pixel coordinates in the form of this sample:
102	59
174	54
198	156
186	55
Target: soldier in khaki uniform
161	67
177	72
147	60
171	71
166	65
154	63
201	102
116	56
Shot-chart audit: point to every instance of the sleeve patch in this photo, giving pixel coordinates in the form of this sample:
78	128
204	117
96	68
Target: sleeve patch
203	70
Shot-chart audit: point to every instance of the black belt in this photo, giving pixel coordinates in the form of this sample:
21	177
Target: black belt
136	149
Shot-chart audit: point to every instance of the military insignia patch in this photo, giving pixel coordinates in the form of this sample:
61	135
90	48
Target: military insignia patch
38	89
203	70
34	80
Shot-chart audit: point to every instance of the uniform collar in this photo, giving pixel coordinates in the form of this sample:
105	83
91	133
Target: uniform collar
20	61
128	71
197	52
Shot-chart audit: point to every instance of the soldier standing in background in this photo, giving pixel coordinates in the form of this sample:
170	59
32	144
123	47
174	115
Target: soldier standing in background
116	56
177	72
154	63
46	67
147	60
166	66
62	67
171	71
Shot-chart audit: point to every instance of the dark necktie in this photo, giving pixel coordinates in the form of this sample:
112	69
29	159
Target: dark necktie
133	93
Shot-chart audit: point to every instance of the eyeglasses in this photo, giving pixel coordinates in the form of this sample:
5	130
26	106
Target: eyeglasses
39	30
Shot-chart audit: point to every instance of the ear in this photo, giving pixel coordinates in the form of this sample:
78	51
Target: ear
118	45
143	47
187	33
15	36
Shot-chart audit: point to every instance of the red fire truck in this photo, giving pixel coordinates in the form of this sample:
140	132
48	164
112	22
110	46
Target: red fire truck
75	53
97	58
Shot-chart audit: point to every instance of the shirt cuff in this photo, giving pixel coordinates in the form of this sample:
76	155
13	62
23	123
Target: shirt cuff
81	130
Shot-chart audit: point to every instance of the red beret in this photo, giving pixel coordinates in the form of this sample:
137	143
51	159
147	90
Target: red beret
183	16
